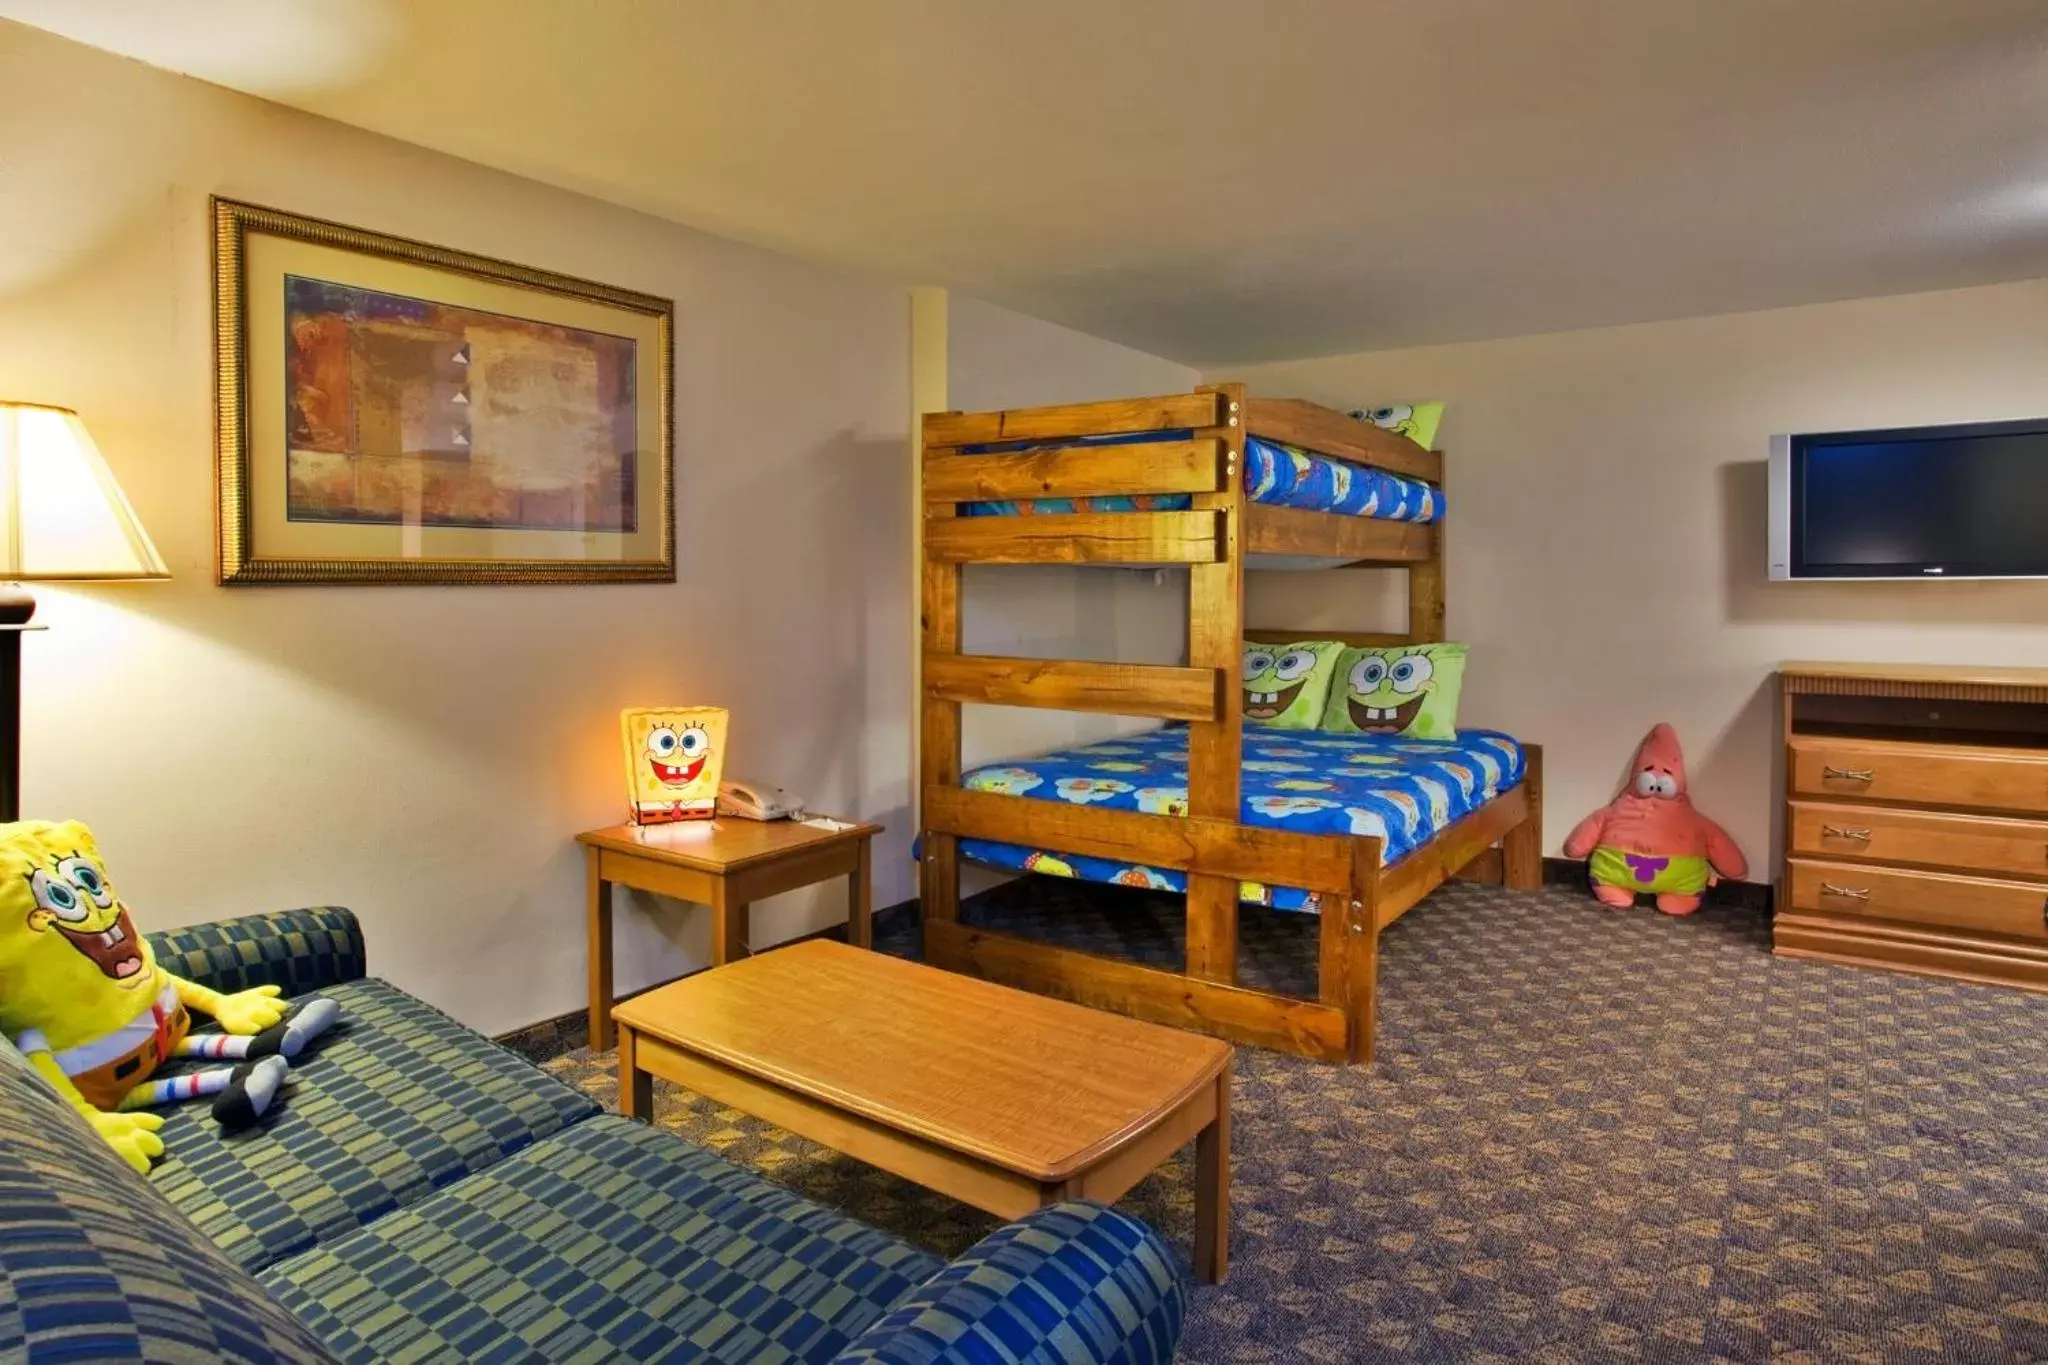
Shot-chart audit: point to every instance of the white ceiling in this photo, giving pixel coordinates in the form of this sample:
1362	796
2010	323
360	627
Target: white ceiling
1224	180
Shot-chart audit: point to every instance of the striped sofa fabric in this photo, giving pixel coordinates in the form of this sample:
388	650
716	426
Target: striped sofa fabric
617	1241
96	1266
399	1102
423	1194
1072	1284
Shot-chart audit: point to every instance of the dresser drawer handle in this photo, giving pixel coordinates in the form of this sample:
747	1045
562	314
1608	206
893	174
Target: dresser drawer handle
1847	893
1829	771
1861	836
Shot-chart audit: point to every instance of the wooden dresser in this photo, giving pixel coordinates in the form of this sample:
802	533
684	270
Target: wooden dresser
1916	819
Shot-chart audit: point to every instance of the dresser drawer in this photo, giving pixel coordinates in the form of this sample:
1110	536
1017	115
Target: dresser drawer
1921	774
1896	893
1975	843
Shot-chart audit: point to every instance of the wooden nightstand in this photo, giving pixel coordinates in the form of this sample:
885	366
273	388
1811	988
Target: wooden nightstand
726	864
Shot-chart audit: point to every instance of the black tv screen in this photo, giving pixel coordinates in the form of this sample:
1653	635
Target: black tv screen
1924	502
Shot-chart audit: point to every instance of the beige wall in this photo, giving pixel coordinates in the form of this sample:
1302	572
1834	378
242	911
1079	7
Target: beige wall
1607	519
424	755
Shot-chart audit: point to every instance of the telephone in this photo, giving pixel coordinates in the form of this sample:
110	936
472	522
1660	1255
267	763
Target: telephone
758	801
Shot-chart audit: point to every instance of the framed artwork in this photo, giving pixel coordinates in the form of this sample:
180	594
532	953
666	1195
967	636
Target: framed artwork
394	412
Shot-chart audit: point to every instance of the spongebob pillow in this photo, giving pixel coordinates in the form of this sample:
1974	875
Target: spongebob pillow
1287	686
1417	421
1398	690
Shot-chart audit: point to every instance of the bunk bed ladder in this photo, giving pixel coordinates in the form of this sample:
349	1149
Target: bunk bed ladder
1028	462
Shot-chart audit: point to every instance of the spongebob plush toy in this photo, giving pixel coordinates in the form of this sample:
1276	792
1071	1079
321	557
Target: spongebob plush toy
82	996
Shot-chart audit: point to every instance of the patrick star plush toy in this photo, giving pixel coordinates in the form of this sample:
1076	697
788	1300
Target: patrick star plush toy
1650	839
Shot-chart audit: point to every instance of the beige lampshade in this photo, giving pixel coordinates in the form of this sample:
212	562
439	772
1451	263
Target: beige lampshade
62	516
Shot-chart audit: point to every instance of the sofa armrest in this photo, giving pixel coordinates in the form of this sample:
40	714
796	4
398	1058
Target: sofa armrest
1072	1284
295	950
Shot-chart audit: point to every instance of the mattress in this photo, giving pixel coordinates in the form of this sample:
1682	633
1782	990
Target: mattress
1403	790
1282	475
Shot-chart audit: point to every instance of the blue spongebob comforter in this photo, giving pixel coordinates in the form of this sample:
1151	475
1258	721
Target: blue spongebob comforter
1273	473
1401	789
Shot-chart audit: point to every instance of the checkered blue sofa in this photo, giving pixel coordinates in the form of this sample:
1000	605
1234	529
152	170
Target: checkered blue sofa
426	1195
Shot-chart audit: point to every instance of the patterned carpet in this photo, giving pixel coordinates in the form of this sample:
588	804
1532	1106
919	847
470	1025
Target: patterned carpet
1587	1135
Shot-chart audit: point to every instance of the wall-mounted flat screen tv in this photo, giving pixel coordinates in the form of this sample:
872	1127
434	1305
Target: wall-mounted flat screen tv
1915	502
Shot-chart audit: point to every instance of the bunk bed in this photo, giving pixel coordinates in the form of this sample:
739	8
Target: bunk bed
1164	481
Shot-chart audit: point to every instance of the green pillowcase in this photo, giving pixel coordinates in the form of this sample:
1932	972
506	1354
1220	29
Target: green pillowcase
1400	689
1417	421
1287	686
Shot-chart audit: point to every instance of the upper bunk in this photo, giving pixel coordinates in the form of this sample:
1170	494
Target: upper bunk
1193	448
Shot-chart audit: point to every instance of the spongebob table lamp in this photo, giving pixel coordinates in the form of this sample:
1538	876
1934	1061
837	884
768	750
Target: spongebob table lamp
673	758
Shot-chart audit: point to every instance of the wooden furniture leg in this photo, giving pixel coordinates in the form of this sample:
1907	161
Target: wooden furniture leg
730	925
1347	970
598	922
636	1087
1212	928
1212	1189
1364	995
860	901
1521	861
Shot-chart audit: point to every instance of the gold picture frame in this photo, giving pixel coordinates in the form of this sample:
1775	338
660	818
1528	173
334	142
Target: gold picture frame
417	414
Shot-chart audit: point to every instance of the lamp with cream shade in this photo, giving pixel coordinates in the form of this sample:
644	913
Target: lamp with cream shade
63	518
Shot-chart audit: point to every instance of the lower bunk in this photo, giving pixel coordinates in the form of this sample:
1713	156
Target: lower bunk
1355	829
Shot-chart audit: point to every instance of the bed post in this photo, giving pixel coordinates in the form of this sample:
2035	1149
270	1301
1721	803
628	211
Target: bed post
1216	641
1426	592
1521	860
1347	966
938	725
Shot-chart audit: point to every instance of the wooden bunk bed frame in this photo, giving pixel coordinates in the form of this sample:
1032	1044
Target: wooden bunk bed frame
1211	539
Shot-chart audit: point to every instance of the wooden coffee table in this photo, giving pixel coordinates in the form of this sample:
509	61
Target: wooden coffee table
1003	1100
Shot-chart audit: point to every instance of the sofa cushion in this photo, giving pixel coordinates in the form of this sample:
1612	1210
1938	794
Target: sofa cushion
1073	1282
298	951
399	1101
610	1240
95	1267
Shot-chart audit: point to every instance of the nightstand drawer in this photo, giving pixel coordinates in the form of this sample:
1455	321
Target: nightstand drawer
1974	843
1889	893
1920	774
